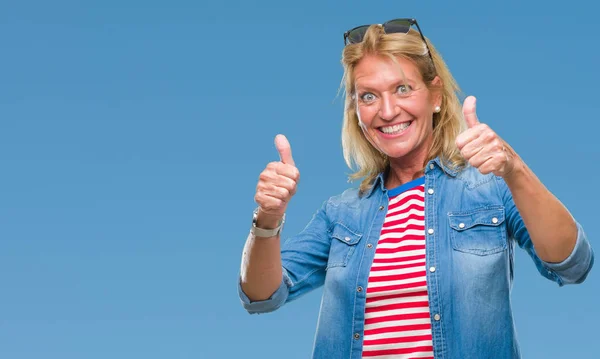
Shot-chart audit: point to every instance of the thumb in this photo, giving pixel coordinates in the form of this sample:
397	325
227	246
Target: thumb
469	111
284	149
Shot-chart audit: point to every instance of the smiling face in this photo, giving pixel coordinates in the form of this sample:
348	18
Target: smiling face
395	108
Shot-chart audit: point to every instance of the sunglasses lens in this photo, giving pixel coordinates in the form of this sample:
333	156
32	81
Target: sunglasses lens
356	35
397	26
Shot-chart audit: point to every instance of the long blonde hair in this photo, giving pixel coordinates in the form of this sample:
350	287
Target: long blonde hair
359	154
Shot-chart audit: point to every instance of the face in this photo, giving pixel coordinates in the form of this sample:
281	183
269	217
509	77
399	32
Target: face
395	107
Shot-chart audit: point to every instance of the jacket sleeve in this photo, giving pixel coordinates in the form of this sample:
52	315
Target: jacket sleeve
304	259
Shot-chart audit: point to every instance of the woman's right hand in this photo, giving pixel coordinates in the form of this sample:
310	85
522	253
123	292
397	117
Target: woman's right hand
276	186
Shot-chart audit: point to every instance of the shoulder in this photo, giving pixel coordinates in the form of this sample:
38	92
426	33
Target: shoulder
471	178
353	197
348	197
474	183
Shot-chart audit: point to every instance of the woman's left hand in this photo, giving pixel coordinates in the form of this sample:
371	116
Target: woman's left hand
482	147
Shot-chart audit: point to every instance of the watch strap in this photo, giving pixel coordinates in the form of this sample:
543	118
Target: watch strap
262	232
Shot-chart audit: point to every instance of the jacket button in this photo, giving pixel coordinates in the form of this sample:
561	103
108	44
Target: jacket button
436	317
381	208
430	231
461	225
430	191
494	220
369	245
356	336
359	289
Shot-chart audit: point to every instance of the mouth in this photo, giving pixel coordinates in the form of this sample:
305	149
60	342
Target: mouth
394	129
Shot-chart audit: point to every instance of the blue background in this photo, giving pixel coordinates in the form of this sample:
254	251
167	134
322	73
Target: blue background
132	134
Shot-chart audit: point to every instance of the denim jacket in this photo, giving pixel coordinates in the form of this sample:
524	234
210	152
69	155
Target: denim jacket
472	229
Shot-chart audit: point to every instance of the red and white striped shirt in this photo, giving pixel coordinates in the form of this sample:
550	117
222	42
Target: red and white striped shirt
397	318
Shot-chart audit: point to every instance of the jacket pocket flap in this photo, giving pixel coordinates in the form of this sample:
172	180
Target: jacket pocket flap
345	235
488	216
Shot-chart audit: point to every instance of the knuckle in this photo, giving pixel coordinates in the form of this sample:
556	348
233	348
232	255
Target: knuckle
285	193
272	166
263	175
277	204
293	184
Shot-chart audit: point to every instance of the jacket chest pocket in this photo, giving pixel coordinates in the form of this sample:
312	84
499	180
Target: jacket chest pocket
481	231
343	244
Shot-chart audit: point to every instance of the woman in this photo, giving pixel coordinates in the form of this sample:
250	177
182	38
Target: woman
417	261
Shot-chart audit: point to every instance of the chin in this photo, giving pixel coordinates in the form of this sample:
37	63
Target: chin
397	153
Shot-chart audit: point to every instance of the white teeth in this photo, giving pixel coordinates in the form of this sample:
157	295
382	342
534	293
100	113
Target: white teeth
390	130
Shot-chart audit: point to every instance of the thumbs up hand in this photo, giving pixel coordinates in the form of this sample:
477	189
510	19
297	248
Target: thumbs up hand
482	147
276	185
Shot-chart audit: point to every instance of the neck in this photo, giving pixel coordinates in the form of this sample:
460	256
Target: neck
400	174
407	168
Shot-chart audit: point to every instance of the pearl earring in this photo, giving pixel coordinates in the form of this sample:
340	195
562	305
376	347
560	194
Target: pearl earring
437	109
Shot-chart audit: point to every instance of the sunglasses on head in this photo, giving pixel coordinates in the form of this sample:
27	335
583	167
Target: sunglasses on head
357	34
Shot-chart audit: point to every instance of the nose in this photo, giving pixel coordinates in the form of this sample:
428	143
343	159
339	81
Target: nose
389	108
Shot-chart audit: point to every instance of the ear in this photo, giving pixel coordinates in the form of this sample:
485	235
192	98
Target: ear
436	91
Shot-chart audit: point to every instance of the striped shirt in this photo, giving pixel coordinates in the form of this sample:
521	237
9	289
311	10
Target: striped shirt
397	318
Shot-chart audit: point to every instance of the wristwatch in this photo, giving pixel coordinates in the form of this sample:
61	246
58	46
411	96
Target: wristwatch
261	232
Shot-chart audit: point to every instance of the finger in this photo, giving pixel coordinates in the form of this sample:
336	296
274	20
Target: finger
284	182
475	144
279	174
470	111
469	136
492	165
281	193
278	182
276	192
269	204
471	150
270	192
278	186
288	171
480	158
284	149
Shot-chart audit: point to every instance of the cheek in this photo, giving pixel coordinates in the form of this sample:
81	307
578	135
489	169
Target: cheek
422	112
365	115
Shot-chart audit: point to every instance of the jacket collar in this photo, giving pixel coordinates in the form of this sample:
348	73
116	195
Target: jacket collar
379	181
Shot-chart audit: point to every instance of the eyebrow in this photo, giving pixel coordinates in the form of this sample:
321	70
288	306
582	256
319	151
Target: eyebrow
393	84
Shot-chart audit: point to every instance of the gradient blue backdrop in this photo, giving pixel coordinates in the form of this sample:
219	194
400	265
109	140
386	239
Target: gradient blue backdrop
132	134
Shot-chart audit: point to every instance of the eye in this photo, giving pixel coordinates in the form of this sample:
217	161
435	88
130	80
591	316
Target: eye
403	89
367	97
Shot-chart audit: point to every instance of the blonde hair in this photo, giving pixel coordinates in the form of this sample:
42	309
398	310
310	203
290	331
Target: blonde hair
359	154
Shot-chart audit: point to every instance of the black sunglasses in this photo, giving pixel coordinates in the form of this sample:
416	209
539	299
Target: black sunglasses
357	34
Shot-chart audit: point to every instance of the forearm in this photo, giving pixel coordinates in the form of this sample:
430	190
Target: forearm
261	272
549	224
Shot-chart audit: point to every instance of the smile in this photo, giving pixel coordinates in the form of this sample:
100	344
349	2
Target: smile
395	129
